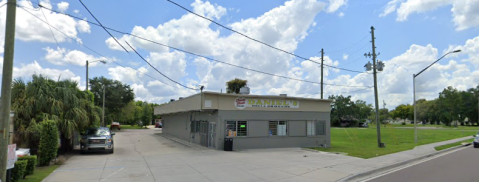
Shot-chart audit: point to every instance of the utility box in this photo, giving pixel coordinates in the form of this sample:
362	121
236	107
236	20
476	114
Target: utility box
228	144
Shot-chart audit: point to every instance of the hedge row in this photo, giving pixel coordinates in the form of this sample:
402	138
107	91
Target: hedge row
32	162
18	172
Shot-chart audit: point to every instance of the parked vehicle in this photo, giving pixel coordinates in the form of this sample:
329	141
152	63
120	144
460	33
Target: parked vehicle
475	143
115	125
97	139
158	124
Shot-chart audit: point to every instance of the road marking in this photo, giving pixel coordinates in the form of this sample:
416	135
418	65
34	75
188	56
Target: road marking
112	174
410	165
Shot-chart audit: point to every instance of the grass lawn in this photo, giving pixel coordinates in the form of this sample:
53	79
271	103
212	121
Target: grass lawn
432	126
442	147
40	174
130	127
362	142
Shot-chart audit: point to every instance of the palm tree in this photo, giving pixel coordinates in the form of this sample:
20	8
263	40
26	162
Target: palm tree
61	101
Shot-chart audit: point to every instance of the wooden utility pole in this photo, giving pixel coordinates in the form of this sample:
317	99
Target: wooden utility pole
378	125
6	93
322	69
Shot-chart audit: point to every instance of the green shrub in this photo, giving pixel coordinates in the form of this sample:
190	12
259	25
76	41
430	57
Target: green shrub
18	172
48	142
31	163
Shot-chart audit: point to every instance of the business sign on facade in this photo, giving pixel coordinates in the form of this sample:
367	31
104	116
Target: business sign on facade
241	103
11	156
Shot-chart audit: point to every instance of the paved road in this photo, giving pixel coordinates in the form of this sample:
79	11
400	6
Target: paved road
142	156
459	166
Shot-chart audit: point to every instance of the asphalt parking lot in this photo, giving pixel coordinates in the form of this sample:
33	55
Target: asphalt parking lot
142	155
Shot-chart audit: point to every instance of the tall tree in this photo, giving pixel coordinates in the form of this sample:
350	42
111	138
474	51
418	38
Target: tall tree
448	101
364	110
61	101
233	86
117	96
343	111
403	112
147	114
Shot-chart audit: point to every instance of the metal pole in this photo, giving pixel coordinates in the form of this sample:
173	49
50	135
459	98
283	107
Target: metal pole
6	93
322	60
86	75
103	113
378	126
414	97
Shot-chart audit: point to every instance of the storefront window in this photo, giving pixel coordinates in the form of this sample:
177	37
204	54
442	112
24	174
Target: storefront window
315	128
236	128
278	128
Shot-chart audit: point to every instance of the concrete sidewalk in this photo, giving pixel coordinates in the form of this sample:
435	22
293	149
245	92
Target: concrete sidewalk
341	171
142	155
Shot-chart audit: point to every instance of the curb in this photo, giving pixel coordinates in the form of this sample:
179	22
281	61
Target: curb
392	166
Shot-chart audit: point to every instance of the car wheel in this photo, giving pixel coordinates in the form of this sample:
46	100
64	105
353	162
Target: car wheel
82	152
111	151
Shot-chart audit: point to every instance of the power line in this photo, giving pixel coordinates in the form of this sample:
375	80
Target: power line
91	48
102	25
56	41
353	91
306	59
340	50
157	69
198	55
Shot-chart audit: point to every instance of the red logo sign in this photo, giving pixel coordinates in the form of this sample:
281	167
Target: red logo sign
240	101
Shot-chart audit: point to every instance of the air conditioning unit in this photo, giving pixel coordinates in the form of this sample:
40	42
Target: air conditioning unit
244	90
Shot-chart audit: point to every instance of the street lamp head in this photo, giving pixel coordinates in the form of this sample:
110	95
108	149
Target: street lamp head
103	61
456	51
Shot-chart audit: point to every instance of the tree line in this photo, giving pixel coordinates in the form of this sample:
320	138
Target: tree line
450	106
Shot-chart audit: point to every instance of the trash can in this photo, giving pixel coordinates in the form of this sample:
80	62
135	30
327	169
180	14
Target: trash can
228	144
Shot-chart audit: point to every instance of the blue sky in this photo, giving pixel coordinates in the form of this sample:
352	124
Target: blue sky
410	34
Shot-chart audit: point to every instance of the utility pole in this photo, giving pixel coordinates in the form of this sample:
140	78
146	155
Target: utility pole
322	67
103	113
6	93
378	126
86	75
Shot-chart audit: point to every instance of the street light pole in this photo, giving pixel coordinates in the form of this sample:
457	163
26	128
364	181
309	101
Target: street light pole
86	88
102	61
414	97
103	112
414	89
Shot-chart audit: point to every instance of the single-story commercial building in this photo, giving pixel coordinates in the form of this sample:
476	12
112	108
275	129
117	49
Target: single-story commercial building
252	121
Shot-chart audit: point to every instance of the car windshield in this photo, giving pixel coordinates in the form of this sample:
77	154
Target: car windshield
477	138
97	132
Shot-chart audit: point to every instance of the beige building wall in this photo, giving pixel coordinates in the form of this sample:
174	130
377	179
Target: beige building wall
221	101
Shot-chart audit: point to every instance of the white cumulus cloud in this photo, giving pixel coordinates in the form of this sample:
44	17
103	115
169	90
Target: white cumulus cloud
29	28
62	6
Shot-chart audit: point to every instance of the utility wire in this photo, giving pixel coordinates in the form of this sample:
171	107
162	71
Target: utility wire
91	48
295	55
56	41
157	69
191	53
340	50
102	26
